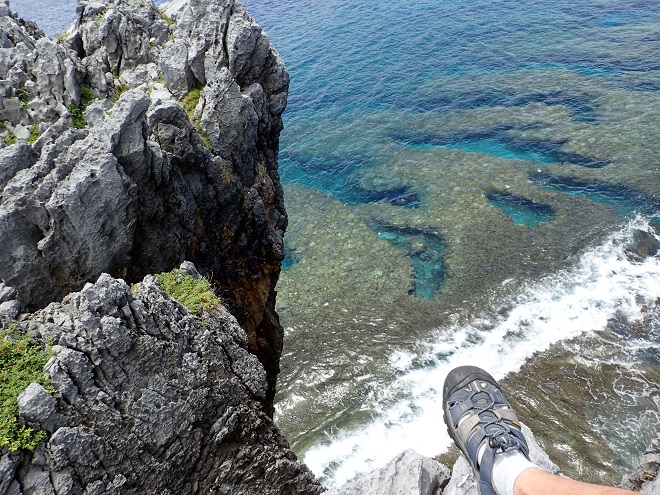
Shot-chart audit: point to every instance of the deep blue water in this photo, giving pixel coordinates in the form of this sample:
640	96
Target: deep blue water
437	157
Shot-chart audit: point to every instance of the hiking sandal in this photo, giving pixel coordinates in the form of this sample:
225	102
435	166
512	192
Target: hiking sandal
478	417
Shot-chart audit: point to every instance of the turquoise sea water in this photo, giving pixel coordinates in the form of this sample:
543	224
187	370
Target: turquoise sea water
462	180
444	161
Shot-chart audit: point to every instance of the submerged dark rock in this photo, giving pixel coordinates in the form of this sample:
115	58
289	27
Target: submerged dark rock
643	245
135	187
149	399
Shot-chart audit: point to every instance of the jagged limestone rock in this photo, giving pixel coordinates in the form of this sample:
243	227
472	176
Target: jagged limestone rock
407	474
39	79
149	399
136	190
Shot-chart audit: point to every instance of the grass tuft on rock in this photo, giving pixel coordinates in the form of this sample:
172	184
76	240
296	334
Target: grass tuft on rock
166	18
206	139
34	133
22	362
9	138
24	96
120	89
78	112
190	101
194	293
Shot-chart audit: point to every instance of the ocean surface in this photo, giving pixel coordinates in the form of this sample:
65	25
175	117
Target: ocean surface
468	182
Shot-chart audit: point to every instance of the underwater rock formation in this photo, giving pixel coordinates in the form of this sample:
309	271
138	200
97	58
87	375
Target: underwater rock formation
103	170
149	398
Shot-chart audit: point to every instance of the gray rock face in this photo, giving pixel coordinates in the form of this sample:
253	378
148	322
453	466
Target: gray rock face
407	474
39	79
150	399
136	191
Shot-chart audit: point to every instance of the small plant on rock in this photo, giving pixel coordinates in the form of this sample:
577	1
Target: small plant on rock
78	112
22	362
24	96
206	140
9	139
34	133
190	102
61	37
166	18
194	293
120	89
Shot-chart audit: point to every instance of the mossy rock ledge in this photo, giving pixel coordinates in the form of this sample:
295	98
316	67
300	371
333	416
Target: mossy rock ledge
147	397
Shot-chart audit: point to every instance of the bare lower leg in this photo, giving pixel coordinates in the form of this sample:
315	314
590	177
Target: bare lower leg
536	482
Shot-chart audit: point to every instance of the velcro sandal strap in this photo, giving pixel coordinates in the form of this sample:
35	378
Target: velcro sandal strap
466	426
473	444
458	410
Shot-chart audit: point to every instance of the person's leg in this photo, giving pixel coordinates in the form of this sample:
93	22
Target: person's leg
484	426
533	481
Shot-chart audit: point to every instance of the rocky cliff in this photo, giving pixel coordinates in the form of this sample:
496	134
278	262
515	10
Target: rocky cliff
149	398
103	170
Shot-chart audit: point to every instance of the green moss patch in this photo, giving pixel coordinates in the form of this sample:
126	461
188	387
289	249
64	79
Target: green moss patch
34	132
9	138
194	293
22	362
190	101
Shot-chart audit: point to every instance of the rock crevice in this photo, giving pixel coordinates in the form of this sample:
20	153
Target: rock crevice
120	180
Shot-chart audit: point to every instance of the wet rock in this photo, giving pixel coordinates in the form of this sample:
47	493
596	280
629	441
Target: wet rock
407	474
645	478
149	399
643	245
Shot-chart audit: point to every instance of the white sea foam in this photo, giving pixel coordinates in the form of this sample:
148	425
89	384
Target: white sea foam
604	283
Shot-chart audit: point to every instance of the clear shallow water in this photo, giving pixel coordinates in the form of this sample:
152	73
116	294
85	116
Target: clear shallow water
520	138
461	178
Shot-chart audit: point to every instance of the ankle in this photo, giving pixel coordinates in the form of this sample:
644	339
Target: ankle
506	469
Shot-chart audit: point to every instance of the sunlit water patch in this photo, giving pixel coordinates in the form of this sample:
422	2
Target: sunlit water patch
497	142
576	302
625	201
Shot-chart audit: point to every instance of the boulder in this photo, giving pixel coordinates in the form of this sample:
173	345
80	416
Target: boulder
409	473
